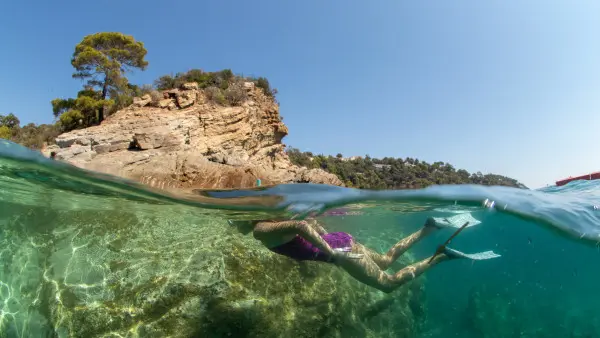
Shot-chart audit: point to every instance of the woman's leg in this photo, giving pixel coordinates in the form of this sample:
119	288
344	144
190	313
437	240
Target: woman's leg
385	260
368	272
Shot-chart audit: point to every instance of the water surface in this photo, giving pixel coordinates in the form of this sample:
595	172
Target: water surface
85	254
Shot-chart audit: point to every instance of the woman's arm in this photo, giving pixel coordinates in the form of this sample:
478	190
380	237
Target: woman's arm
313	223
264	230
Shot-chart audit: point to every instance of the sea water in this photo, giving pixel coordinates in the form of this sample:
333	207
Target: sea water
89	255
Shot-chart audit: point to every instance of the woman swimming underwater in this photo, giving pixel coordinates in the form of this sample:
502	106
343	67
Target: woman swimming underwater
302	240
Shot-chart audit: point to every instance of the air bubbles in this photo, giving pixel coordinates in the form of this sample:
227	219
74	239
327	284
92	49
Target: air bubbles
489	203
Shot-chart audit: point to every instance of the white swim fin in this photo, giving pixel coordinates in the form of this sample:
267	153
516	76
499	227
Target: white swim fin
476	256
455	221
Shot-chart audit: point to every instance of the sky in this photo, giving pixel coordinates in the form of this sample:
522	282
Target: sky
507	87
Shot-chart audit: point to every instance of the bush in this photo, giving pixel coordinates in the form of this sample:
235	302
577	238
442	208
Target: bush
165	82
156	96
34	136
5	132
221	79
263	83
235	94
71	119
120	101
215	94
195	75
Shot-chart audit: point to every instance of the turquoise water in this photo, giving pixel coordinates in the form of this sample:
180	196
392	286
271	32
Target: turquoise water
88	255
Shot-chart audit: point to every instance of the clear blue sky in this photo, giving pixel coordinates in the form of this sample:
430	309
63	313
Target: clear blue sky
509	87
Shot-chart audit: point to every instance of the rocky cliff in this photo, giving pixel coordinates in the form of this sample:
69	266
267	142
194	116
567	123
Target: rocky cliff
184	140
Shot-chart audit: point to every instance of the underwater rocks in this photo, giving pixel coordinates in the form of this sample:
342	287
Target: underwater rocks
231	147
130	272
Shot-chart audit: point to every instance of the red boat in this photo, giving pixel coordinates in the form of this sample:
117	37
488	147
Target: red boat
588	177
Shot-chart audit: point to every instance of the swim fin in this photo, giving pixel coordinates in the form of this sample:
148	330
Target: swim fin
442	248
455	221
476	256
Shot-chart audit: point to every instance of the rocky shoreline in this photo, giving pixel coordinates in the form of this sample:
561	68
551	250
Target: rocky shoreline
184	140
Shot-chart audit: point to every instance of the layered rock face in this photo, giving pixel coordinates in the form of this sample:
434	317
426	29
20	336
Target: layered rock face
186	141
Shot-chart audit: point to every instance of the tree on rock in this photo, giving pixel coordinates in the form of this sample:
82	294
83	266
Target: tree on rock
104	58
79	112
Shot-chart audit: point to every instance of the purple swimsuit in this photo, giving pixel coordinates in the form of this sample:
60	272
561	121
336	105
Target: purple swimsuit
301	249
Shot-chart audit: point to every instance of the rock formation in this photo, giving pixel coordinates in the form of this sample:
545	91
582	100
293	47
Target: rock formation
184	140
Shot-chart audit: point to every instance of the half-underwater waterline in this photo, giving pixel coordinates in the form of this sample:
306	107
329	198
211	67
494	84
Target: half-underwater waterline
90	255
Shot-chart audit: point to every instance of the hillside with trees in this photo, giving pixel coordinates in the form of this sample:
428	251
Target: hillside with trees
394	173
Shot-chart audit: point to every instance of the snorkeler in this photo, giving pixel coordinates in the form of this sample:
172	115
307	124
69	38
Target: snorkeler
302	240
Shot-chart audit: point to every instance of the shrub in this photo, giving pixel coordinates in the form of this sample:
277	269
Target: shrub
120	101
71	119
235	94
221	79
216	95
263	83
156	96
5	132
34	136
226	74
165	82
195	75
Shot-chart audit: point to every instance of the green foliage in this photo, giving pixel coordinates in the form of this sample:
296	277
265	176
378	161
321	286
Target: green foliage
34	136
124	96
221	79
216	95
391	173
5	132
120	101
165	82
235	94
71	119
108	54
263	83
222	87
59	106
10	121
104	58
81	112
31	135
